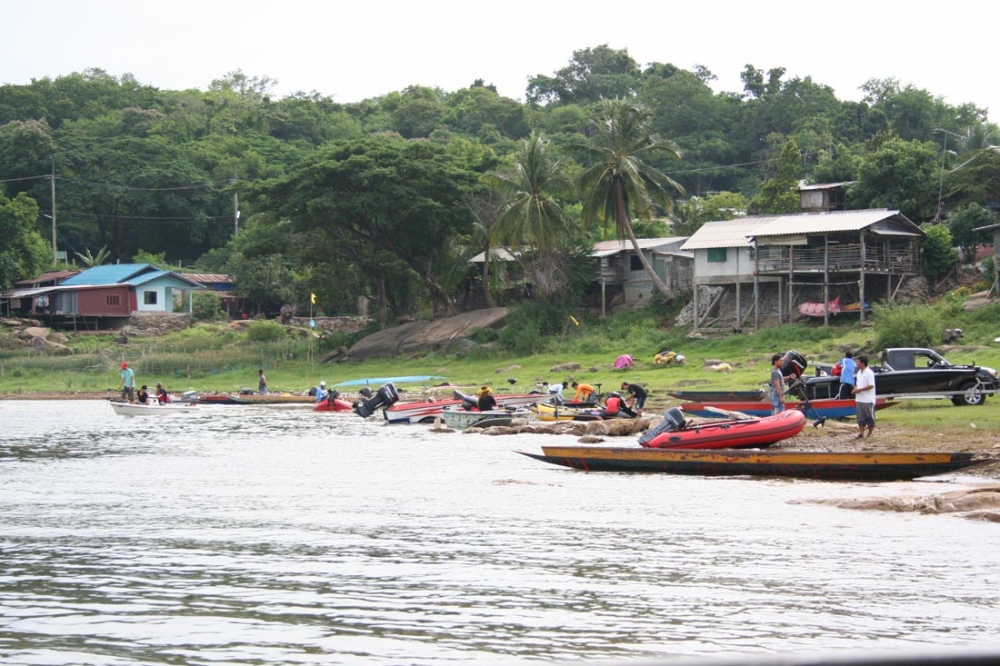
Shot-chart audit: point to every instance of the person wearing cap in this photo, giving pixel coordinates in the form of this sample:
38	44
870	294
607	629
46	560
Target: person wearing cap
486	400
127	384
612	406
321	392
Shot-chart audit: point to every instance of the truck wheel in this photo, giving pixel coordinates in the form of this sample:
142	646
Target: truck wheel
973	394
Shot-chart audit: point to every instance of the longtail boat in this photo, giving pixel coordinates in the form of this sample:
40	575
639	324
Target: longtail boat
719	396
825	409
836	466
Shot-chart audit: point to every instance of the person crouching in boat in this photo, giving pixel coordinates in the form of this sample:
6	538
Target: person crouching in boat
161	394
321	391
584	393
486	400
143	396
612	406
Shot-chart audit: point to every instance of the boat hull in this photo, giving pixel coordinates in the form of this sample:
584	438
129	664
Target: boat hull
719	396
426	412
816	409
155	409
757	433
461	419
547	412
336	405
838	466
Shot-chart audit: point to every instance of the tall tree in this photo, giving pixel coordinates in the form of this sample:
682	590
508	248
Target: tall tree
618	181
23	252
592	73
404	197
532	214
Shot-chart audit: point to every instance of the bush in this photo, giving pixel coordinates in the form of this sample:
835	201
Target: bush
913	325
530	324
266	331
206	306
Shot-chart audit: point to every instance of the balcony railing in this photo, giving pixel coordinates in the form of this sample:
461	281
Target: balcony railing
843	258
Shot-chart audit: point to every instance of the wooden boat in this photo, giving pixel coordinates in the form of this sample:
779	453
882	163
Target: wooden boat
816	409
719	396
839	466
255	399
427	411
760	433
153	408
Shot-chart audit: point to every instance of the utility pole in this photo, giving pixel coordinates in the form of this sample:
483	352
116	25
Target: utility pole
52	178
236	205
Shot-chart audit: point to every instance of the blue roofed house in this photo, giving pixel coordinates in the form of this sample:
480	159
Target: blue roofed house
106	296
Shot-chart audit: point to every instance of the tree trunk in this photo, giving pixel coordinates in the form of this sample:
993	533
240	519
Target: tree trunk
487	292
625	225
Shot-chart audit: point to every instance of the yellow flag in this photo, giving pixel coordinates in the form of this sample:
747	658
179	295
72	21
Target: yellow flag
312	297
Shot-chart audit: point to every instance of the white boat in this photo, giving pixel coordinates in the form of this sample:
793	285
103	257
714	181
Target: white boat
428	410
154	408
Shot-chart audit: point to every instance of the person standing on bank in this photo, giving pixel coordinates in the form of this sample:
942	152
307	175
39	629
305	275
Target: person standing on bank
777	385
261	383
847	369
864	396
127	384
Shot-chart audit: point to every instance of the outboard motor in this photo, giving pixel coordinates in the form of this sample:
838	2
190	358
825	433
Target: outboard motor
673	419
793	364
386	396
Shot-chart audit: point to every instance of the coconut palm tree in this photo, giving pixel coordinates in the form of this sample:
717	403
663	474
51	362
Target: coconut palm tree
618	181
532	215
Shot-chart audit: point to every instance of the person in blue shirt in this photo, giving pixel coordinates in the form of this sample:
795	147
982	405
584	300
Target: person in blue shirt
127	385
847	370
321	392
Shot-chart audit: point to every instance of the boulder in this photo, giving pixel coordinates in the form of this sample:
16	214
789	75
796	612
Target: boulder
425	336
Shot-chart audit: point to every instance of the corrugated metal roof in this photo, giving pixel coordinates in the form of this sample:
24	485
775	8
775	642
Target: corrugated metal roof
626	244
738	233
45	277
499	254
210	278
731	233
831	222
110	274
825	186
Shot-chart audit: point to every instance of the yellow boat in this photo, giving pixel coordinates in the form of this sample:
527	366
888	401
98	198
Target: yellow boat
549	412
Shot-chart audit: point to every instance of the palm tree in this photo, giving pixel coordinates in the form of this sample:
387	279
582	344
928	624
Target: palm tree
532	215
619	180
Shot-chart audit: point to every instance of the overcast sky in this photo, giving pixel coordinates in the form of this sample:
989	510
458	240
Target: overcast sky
355	50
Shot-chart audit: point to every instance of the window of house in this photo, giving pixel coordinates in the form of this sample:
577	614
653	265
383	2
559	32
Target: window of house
149	297
716	255
634	263
112	299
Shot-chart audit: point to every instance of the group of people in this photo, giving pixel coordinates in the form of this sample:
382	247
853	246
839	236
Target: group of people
857	380
128	392
614	405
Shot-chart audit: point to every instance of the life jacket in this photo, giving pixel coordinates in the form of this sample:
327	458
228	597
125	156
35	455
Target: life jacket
613	405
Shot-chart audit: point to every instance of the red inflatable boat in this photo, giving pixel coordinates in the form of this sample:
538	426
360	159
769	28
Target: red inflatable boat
335	405
675	433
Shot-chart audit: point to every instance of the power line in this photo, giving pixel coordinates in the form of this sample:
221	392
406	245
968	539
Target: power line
136	189
175	218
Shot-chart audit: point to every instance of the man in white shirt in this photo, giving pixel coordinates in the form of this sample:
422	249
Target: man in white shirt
864	396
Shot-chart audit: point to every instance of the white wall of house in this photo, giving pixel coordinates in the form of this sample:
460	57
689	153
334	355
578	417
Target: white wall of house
718	262
153	297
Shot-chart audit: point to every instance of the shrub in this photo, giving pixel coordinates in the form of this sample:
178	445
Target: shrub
206	306
913	325
529	324
265	331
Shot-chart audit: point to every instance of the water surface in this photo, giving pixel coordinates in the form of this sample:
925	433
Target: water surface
273	535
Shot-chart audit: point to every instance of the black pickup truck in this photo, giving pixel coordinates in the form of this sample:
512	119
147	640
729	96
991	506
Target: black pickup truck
917	372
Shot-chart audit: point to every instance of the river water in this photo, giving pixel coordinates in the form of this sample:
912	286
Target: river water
273	535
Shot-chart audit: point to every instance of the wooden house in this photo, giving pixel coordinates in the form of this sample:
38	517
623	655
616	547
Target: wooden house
103	296
621	278
850	257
